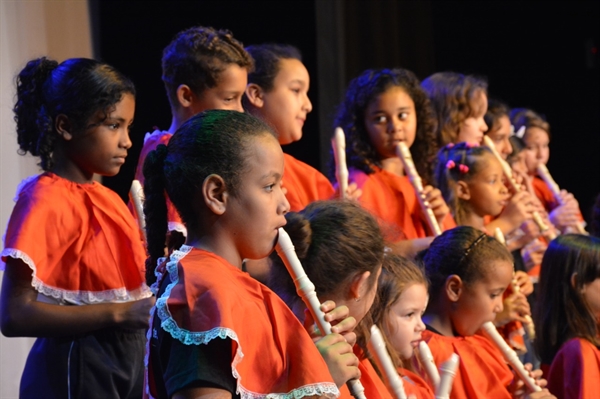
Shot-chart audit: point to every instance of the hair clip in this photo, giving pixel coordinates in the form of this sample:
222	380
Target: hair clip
450	164
470	247
521	132
463	168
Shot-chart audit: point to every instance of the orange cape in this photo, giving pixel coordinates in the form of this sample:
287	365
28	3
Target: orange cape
482	371
575	371
304	184
393	200
79	240
272	354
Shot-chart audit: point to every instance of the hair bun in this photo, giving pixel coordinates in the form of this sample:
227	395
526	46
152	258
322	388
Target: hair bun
300	232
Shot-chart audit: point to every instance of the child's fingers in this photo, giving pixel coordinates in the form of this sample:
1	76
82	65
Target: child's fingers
327	306
353	192
346	325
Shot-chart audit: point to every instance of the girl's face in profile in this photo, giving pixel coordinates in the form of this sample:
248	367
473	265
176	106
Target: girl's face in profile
538	150
473	127
479	301
403	324
591	293
389	119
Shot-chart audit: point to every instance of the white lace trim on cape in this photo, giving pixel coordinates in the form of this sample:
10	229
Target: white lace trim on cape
197	338
76	297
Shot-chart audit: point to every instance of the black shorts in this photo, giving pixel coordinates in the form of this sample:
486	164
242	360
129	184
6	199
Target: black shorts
104	364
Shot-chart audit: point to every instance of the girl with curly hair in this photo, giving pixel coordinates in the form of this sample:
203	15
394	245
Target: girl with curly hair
383	107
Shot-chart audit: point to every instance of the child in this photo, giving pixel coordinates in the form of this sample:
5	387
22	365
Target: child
499	127
469	272
203	68
459	104
341	248
564	215
215	330
277	93
400	302
74	258
568	316
382	108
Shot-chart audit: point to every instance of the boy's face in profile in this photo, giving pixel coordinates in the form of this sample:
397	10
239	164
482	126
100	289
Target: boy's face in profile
227	94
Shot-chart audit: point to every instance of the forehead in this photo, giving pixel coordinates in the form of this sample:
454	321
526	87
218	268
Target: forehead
536	134
393	97
233	77
263	152
291	69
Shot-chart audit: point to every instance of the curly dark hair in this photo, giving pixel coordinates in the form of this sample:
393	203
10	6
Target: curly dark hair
77	88
361	91
212	142
452	97
496	110
197	56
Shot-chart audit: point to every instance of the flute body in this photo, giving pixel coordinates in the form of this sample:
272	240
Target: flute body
136	193
384	360
447	374
339	153
409	168
306	290
429	363
510	356
515	187
544	173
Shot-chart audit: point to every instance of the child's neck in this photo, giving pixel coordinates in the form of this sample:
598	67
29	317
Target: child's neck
437	316
474	220
216	245
393	165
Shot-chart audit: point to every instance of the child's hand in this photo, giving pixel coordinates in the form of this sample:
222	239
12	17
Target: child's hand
518	209
435	201
515	307
134	315
338	317
341	360
520	390
533	253
523	282
567	214
353	192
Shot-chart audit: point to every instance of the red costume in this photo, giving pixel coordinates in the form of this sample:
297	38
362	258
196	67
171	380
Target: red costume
304	184
370	380
393	200
482	372
206	299
575	371
78	239
415	385
83	247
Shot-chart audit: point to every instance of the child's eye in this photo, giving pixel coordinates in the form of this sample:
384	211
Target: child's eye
380	119
270	188
113	126
297	91
403	115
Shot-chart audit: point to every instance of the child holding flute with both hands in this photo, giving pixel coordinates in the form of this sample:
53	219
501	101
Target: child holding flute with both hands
382	108
215	331
468	273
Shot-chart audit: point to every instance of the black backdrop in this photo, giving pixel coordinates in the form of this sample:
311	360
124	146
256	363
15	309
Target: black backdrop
537	54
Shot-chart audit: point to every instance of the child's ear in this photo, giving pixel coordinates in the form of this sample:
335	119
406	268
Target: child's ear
359	285
453	287
254	93
462	190
215	194
185	96
63	126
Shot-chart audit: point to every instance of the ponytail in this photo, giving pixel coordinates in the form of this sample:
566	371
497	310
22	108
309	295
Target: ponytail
34	123
155	208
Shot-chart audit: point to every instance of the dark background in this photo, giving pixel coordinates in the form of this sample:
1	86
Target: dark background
537	54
